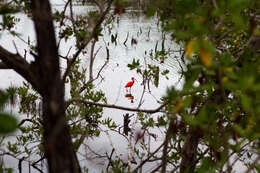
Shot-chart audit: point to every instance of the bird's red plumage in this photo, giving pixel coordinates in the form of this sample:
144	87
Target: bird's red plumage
130	84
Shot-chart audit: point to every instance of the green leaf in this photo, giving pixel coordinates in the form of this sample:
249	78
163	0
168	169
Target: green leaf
165	72
246	102
7	9
135	64
7	123
150	11
3	99
257	166
5	170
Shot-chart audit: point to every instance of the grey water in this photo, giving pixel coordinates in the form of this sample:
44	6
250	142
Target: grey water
147	33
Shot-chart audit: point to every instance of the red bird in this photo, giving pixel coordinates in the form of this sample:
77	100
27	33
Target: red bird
130	84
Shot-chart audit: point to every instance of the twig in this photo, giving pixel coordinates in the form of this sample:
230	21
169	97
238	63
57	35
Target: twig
72	20
93	33
81	140
202	155
144	84
141	99
38	169
63	11
98	74
119	131
111	143
126	38
62	20
165	147
130	145
66	57
20	65
235	152
151	155
252	166
110	158
20	164
29	120
157	168
34	164
94	152
91	63
182	72
17	52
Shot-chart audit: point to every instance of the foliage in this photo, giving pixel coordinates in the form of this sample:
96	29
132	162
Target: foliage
207	123
221	89
8	123
82	119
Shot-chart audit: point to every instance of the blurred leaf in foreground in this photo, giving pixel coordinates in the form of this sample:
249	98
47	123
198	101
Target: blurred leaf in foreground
7	123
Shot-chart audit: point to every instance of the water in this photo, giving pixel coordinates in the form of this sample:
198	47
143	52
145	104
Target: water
116	74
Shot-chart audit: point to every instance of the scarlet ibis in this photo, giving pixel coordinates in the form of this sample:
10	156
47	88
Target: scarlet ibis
130	84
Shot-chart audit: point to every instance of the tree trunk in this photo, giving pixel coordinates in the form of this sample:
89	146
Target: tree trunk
58	146
57	141
189	152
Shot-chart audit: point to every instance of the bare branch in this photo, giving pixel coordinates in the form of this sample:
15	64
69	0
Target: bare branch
93	35
17	52
63	11
157	168
147	159
165	147
3	66
28	120
81	140
20	65
38	169
34	164
182	70
72	19
221	19
110	159
87	103
252	166
98	74
92	58
20	164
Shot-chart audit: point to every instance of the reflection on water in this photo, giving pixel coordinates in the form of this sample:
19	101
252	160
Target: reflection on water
130	38
130	97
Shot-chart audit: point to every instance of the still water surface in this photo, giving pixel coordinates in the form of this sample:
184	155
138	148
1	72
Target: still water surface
116	74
